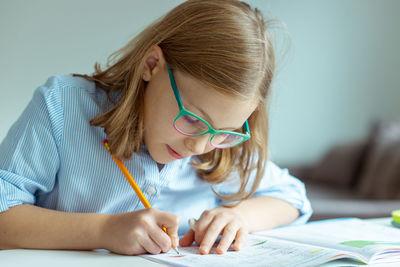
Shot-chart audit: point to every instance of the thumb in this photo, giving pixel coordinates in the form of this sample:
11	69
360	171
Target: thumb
173	236
169	223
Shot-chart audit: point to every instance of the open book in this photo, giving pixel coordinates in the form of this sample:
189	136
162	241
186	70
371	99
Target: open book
305	245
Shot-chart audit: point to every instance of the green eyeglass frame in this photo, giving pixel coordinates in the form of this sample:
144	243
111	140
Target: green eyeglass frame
182	112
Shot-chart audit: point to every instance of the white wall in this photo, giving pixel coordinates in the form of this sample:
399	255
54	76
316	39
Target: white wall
340	74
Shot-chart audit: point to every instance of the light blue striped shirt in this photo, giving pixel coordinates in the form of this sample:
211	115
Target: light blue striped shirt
52	158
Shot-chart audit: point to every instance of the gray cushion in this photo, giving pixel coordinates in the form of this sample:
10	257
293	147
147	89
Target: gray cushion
380	173
340	166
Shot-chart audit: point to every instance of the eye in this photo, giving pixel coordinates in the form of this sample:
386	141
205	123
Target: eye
231	137
190	119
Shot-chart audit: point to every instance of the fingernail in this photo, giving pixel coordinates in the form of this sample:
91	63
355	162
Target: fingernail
219	250
204	249
192	223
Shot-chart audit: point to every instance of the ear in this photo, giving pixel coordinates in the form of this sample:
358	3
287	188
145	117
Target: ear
154	61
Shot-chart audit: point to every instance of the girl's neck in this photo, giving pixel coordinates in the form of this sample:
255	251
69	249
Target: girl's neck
160	166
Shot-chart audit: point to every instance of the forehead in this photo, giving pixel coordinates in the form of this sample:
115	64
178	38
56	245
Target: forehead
222	110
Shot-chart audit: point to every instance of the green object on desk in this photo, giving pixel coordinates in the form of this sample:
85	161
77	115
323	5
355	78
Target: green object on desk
395	224
396	218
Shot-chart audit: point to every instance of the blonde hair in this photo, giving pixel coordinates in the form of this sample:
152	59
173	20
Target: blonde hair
222	43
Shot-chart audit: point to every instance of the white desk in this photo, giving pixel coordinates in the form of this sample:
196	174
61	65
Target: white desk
59	258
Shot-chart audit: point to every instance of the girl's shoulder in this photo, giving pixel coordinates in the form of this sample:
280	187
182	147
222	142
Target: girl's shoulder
68	90
63	82
67	97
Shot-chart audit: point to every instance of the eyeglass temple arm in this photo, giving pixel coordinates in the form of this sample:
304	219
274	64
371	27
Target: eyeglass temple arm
175	88
246	127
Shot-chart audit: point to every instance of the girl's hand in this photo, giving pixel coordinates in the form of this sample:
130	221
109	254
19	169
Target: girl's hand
139	232
212	223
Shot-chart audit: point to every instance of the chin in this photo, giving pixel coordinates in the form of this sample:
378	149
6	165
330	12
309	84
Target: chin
163	160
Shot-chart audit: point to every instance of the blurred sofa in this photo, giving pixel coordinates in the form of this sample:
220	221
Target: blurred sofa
356	180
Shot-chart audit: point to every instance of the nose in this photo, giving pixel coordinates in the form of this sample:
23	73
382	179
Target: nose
198	144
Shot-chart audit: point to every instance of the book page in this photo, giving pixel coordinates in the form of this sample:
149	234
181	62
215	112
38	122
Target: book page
259	251
348	234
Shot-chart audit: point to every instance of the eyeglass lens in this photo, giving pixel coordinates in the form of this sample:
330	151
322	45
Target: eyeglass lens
189	125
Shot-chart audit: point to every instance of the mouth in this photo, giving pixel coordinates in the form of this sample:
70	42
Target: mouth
173	153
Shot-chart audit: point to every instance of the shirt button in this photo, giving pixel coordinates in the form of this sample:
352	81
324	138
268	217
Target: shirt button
151	190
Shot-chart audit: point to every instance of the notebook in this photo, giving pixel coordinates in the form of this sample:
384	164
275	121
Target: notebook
304	245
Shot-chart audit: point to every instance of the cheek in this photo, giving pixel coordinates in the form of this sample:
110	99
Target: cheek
159	124
155	118
209	148
160	112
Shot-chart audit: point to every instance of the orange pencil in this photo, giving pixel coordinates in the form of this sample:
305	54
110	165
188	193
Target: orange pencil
132	182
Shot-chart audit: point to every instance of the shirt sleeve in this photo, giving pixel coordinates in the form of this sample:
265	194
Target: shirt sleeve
29	158
276	183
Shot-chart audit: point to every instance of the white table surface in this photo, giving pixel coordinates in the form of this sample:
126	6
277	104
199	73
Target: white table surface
59	258
62	258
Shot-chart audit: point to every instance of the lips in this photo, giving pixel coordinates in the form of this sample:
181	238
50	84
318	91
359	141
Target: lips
173	153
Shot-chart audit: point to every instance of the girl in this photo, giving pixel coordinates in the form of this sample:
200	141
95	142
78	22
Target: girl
184	106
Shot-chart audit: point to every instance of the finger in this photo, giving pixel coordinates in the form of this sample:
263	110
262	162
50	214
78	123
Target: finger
211	235
160	237
192	223
171	223
173	237
133	250
168	220
227	238
240	240
138	249
187	239
149	245
202	225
